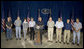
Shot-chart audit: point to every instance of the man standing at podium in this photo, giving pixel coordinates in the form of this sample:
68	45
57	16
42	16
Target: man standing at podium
39	28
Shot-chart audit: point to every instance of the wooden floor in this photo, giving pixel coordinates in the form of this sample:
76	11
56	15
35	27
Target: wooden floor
30	44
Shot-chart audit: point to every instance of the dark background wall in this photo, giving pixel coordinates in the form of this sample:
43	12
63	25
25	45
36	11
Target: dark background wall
65	6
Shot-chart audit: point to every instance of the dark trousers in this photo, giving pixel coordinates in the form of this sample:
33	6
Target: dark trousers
28	31
41	34
31	33
41	31
9	33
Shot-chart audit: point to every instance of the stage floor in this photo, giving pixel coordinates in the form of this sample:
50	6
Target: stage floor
29	44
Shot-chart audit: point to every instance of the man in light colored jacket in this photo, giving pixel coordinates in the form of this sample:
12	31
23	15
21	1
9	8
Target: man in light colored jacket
50	25
77	27
25	26
17	24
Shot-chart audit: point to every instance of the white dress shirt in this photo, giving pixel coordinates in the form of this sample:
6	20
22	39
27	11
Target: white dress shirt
31	23
59	24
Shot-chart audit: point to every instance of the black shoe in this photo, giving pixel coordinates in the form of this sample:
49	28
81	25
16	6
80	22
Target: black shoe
67	43
11	39
48	41
59	42
51	41
16	39
56	42
25	39
73	43
6	39
64	42
19	38
32	39
77	44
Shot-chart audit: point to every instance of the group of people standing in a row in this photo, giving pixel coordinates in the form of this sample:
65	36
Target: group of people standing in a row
32	25
76	27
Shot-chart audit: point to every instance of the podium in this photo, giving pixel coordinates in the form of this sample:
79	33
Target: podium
37	36
38	40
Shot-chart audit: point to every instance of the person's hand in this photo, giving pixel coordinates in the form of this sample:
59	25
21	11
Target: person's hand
38	27
59	28
9	27
77	30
